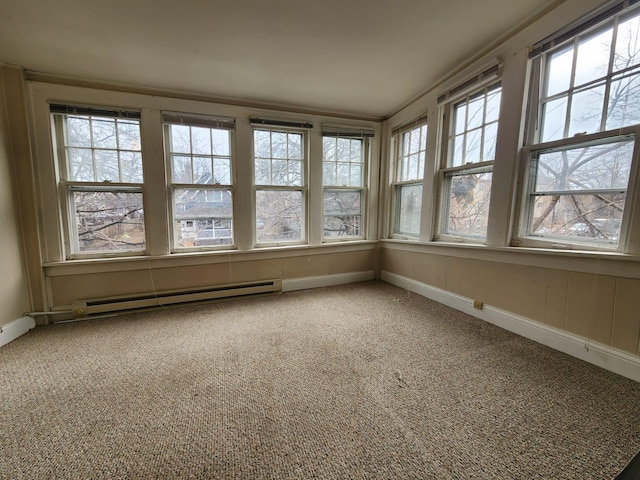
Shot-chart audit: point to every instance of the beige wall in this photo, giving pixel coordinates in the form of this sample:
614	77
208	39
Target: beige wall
70	284
603	308
14	297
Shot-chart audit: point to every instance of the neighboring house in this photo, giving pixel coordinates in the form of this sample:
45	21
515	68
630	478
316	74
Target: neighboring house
204	216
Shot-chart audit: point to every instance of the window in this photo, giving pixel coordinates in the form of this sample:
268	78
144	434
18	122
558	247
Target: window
279	162
471	130
410	147
100	166
586	118
344	180
201	176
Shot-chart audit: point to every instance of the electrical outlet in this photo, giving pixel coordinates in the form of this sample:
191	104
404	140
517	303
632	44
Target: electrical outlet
478	304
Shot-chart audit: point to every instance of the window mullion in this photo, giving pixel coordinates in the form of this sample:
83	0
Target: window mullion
607	91
574	61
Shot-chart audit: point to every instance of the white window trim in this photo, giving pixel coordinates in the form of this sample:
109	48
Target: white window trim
208	122
66	187
629	242
303	130
364	194
396	185
445	171
522	237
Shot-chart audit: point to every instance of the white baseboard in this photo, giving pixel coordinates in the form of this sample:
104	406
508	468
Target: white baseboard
12	330
603	356
303	283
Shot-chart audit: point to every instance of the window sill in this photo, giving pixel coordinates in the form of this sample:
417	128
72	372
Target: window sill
99	265
585	261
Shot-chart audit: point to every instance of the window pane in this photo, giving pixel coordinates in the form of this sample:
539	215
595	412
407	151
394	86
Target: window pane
493	106
222	171
109	221
104	133
344	150
181	169
414	141
581	217
342	213
593	57
458	150
262	143
295	146
329	174
559	71
295	173
409	209
202	170
78	132
80	164
279	216
201	140
595	167
129	135
586	111
263	172
107	169
472	153
356	151
280	172
553	119
624	103
279	145
131	167
476	113
203	217
468	206
459	117
406	137
356	176
423	137
343	174
490	138
180	139
329	149
221	142
627	44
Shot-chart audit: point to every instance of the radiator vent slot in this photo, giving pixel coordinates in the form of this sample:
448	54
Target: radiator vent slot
131	302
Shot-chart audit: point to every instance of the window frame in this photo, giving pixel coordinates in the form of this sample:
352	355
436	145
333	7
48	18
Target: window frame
286	128
212	123
59	115
397	184
535	145
364	138
447	171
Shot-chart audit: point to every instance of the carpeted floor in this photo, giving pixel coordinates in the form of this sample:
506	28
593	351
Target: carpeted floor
362	381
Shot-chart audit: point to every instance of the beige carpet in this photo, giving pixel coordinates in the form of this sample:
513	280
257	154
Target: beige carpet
358	381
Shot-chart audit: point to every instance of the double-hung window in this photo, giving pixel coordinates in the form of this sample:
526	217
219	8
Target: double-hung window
410	145
280	182
344	176
100	166
470	129
583	131
201	172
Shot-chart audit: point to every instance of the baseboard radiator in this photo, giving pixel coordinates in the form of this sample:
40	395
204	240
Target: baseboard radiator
157	299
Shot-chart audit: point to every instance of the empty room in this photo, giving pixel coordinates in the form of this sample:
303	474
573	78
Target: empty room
330	239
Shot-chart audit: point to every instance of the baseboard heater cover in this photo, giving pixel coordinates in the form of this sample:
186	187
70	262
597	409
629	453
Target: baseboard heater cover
157	299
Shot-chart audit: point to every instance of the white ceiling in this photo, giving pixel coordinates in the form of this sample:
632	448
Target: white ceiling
356	57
